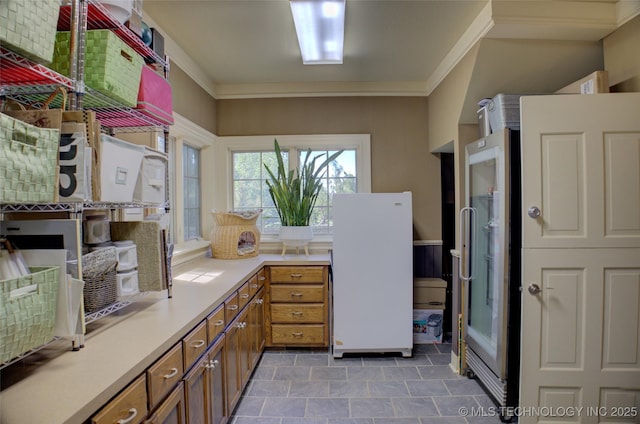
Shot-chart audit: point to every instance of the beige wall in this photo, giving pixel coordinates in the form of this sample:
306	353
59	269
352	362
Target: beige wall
400	158
622	57
191	101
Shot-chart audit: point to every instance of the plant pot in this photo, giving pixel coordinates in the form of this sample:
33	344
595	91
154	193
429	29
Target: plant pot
295	236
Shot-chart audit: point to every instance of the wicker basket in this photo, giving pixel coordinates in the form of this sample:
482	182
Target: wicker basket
27	311
100	281
235	235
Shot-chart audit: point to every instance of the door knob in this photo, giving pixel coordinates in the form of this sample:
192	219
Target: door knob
534	212
534	289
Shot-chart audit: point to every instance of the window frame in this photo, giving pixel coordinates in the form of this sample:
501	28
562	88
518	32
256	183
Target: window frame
225	147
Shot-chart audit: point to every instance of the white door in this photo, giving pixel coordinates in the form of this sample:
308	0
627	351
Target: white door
581	258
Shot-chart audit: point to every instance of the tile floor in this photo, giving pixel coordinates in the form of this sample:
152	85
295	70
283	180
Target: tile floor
311	387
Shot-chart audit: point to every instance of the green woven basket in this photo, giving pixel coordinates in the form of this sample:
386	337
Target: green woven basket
28	162
27	311
29	28
111	67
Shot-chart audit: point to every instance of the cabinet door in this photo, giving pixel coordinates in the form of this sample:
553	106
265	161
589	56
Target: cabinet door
244	343
172	410
217	395
257	330
196	393
232	363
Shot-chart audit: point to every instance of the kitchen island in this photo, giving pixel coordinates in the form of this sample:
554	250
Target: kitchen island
56	385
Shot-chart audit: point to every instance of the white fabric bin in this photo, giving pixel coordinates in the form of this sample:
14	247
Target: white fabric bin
127	283
120	163
151	184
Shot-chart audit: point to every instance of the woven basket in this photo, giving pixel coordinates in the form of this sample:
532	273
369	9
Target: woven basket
29	28
29	158
235	236
100	281
27	311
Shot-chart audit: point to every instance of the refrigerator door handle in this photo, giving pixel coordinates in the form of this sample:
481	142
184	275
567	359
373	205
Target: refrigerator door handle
464	225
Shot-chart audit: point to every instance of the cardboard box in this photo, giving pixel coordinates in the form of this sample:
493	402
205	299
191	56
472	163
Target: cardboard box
431	292
594	83
427	326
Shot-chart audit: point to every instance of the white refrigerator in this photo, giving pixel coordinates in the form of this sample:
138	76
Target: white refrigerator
372	265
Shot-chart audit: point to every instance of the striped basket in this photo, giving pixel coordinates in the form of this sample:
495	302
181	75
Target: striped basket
27	311
28	162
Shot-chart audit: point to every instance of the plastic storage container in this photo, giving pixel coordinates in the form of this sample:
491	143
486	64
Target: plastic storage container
504	112
120	164
151	185
127	255
127	283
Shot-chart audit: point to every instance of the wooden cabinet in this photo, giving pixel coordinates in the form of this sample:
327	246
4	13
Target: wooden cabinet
232	336
256	328
297	312
130	406
196	393
164	375
215	323
194	345
172	410
217	396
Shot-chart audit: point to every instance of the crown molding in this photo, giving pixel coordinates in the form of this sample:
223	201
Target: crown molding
186	129
627	10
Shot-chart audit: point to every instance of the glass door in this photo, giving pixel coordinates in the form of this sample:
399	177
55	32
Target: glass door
485	253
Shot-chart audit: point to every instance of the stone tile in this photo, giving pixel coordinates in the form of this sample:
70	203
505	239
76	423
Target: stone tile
364	373
350	421
379	361
268	388
485	401
345	361
414	407
449	406
264	373
371	407
278	359
427	388
284	407
309	389
250	406
440	358
415	360
297	420
348	389
387	388
292	373
310	360
256	420
443	420
329	407
401	373
443	347
437	372
464	386
425	348
396	420
328	373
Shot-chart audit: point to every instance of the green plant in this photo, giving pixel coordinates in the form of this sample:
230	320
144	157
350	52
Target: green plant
294	192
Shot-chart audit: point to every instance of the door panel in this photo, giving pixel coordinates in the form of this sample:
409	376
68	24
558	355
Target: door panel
580	335
582	170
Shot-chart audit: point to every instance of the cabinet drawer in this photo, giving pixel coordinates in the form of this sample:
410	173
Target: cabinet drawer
215	323
243	295
297	313
129	406
297	274
194	345
297	293
172	410
253	285
164	375
231	307
291	334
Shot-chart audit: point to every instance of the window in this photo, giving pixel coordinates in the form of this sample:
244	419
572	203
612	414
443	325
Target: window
191	192
245	186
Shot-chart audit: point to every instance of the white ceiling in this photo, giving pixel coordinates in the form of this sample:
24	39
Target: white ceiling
247	48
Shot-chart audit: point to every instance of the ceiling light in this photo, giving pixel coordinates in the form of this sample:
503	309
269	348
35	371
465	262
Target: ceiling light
320	28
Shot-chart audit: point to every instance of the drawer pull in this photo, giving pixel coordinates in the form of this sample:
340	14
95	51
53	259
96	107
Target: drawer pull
198	344
133	412
254	286
436	303
296	294
297	334
296	275
232	307
244	295
173	373
259	301
261	278
218	323
296	313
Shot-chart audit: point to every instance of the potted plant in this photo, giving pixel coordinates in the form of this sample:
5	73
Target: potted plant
294	193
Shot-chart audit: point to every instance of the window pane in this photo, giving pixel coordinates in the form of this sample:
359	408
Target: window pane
246	166
191	191
247	194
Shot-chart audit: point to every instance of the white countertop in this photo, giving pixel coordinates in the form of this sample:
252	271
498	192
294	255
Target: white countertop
56	385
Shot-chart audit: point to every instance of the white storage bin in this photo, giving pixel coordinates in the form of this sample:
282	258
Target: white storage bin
504	112
127	283
127	255
120	163
151	187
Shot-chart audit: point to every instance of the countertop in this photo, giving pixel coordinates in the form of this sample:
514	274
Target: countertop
57	385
